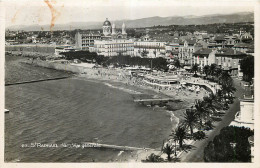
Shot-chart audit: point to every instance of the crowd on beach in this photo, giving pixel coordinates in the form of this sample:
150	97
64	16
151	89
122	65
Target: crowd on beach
124	76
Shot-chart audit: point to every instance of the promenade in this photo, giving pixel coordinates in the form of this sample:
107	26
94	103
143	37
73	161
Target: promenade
196	154
201	82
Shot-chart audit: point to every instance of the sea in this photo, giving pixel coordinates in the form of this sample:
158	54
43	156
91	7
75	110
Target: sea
49	121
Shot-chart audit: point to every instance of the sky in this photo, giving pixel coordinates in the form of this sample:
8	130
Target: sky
42	12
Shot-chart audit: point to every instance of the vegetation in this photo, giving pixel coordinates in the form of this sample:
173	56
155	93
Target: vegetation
231	145
201	112
168	149
117	61
190	119
195	69
153	158
180	134
177	63
216	74
247	67
210	28
199	135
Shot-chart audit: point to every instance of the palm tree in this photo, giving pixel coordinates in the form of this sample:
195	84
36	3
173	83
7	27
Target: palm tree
226	82
212	103
168	149
153	158
224	78
201	112
190	119
180	134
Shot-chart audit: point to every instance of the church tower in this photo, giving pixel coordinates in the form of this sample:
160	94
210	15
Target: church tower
113	29
124	34
123	29
107	28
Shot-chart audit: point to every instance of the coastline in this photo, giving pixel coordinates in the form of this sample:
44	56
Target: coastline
116	81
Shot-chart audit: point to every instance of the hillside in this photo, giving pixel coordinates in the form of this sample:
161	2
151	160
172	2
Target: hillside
148	22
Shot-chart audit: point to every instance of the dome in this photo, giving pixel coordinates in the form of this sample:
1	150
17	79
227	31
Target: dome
107	23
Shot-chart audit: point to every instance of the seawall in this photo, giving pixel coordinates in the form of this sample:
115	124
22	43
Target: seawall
73	68
40	48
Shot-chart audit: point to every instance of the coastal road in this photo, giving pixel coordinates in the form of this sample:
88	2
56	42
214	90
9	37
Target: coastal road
197	153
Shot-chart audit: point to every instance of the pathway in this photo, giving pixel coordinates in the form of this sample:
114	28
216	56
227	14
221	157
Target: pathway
197	153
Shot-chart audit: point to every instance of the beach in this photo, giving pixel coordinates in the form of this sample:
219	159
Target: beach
82	108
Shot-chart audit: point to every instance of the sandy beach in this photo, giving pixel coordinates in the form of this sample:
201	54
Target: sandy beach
116	79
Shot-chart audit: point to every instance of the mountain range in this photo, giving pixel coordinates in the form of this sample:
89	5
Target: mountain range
147	22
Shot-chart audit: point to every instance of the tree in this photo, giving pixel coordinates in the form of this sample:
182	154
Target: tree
224	78
195	68
212	102
199	135
231	145
177	63
227	85
190	119
212	69
144	53
168	149
247	67
153	158
206	70
179	134
201	112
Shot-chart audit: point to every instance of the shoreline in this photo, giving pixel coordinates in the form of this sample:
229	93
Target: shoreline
114	79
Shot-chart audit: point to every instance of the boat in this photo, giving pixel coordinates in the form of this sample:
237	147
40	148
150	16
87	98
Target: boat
6	111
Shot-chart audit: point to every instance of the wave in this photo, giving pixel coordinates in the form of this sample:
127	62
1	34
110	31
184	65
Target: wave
123	89
174	120
120	153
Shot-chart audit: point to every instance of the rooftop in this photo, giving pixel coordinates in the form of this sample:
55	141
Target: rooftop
229	52
203	51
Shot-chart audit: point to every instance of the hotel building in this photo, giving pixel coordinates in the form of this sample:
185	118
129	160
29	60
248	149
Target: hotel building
113	47
150	49
227	58
86	40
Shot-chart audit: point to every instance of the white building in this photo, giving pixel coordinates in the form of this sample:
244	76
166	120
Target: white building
86	40
113	47
64	48
149	49
245	117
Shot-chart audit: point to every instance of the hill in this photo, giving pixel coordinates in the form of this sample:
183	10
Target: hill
148	22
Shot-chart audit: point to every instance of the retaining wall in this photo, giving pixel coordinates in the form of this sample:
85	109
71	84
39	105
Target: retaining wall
31	48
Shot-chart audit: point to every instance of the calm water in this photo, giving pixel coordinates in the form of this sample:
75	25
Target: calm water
75	111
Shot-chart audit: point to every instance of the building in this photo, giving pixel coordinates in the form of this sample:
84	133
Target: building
113	47
186	50
85	40
243	47
227	58
251	142
246	37
172	49
109	43
149	49
113	42
245	117
64	48
109	30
